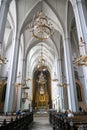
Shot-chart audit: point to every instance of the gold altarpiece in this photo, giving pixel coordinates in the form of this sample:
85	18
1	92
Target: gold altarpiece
42	90
42	97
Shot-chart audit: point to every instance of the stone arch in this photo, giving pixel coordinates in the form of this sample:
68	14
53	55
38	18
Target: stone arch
3	87
28	18
80	94
42	100
4	92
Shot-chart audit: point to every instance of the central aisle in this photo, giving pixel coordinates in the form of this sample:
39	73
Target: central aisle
41	122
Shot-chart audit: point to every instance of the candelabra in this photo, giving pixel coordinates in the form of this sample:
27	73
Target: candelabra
82	59
63	83
41	26
42	79
24	96
55	79
3	60
22	85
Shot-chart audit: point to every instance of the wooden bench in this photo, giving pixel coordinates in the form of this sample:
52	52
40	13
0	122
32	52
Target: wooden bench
6	120
16	123
78	121
71	123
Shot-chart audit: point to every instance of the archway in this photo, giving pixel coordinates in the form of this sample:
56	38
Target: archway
3	86
80	94
42	99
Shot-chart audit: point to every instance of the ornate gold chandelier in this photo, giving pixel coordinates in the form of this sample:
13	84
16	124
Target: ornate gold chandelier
55	78
3	60
62	85
22	85
63	82
42	79
41	60
82	59
41	27
42	89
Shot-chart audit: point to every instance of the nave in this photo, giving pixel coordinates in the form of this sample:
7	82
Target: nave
44	121
43	55
41	122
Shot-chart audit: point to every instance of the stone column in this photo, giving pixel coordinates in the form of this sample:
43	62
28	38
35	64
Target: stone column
80	18
19	98
3	17
81	23
20	90
71	88
60	89
79	11
10	92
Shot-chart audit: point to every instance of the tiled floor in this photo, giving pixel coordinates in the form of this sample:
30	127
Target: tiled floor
41	122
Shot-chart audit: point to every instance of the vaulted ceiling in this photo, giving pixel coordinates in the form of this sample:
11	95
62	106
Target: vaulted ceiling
61	15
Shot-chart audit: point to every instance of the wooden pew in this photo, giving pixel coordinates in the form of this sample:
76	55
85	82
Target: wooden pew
18	123
69	123
6	120
78	121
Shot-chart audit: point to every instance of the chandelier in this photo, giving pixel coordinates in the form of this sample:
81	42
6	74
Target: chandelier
82	59
42	90
24	96
22	85
41	27
3	60
63	83
55	77
42	79
41	60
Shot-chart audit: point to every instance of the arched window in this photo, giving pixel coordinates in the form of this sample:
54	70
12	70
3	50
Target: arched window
79	96
3	93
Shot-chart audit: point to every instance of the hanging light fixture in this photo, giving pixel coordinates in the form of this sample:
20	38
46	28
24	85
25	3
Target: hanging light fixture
41	26
63	83
41	60
82	59
22	85
42	90
55	77
28	78
3	60
42	79
24	96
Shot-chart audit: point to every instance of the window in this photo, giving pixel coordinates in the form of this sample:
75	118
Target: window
79	96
